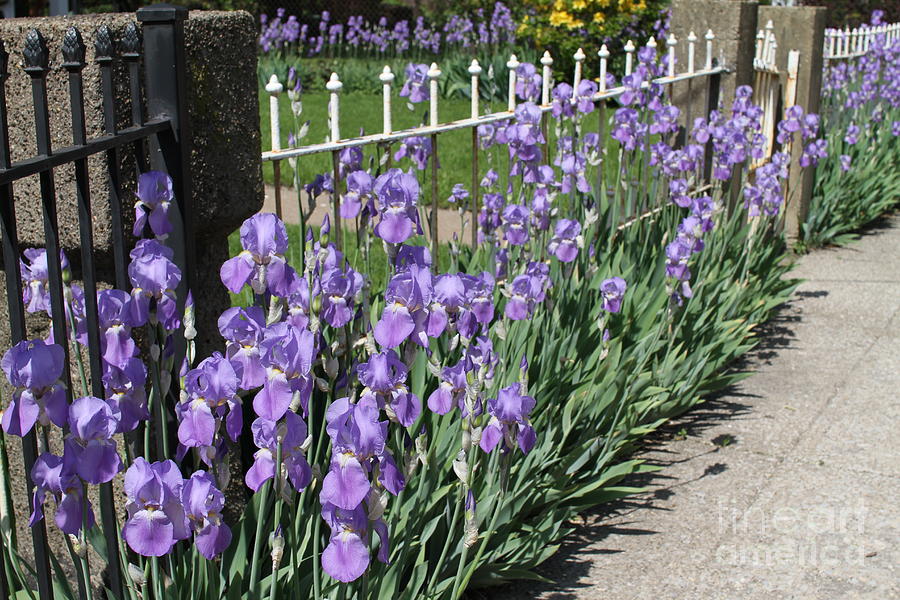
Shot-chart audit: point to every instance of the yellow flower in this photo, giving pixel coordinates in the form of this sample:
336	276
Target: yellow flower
560	17
575	23
602	3
599	18
579	4
559	5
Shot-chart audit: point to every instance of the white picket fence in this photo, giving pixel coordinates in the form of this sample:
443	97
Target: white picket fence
768	91
388	135
851	43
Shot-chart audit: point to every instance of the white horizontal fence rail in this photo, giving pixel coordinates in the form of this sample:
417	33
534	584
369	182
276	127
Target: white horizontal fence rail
387	136
851	43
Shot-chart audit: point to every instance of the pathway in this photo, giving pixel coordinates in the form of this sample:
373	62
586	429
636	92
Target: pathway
787	485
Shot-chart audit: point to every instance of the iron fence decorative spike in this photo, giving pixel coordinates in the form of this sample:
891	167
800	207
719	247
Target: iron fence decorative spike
132	41
103	44
36	53
4	62
73	50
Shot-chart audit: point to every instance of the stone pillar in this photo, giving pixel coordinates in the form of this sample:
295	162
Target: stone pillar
734	24
800	28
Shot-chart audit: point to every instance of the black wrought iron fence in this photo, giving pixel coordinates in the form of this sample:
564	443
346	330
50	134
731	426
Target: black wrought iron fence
160	140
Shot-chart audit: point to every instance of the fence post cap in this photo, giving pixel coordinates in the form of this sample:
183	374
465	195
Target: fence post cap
386	75
692	37
513	62
710	35
36	53
629	46
162	13
334	84
274	86
475	68
546	59
769	24
651	43
672	41
73	49
579	55
433	71
603	52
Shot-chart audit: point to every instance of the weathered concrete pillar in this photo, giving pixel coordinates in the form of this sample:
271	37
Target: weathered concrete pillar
802	29
734	24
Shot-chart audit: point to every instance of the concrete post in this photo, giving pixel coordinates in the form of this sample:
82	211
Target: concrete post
734	24
800	28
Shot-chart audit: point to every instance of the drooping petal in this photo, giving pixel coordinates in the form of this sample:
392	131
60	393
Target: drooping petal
236	272
20	416
346	557
346	485
262	470
490	437
198	425
212	540
396	325
150	533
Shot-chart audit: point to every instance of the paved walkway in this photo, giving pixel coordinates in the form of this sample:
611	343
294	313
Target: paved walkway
787	486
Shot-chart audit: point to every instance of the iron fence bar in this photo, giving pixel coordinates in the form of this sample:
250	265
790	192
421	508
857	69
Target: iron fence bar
712	102
73	49
111	142
132	43
15	302
103	55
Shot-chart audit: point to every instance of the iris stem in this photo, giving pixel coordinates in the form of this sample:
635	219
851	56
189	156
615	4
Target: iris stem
278	502
75	350
85	566
157	582
260	522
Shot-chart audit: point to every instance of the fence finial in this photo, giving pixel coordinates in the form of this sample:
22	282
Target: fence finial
692	41
387	79
604	56
73	49
433	73
547	62
629	56
274	88
131	40
474	72
651	43
334	86
579	66
710	36
671	43
36	53
103	44
512	64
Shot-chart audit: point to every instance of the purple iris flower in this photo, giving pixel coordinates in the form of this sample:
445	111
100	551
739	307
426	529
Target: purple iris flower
562	101
612	291
515	224
584	96
845	162
156	518
398	196
211	398
244	329
458	194
509	421
852	135
287	354
261	263
203	504
416	85
452	390
526	291
34	369
528	82
36	277
449	296
90	450
346	557
406	298
417	148
113	313
154	278
359	192
338	290
479	306
566	240
266	434
154	196
384	376
53	478
349	160
125	392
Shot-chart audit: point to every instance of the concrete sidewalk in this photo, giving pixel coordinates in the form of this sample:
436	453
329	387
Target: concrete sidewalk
788	485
